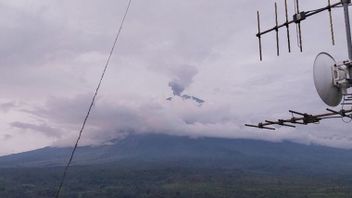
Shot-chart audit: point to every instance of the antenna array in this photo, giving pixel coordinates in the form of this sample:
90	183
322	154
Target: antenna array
332	79
297	18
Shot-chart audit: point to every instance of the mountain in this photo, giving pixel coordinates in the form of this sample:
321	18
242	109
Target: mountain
172	166
175	151
187	97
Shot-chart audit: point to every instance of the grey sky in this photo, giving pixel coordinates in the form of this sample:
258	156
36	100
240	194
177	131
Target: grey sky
52	53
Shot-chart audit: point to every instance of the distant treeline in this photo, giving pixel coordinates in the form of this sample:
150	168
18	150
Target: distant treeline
111	181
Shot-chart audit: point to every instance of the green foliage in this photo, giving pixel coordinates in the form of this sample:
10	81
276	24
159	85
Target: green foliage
112	181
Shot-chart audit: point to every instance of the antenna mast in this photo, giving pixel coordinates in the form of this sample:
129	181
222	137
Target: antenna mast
345	4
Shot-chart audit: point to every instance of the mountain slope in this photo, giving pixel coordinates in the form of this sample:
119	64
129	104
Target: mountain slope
143	150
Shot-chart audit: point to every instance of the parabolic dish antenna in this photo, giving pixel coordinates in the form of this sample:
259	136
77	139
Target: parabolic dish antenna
324	79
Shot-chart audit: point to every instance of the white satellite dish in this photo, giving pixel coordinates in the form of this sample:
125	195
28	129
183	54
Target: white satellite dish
323	71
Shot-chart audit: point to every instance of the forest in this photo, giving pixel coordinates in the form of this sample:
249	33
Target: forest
124	182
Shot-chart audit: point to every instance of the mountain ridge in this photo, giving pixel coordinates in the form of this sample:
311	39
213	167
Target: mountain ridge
166	150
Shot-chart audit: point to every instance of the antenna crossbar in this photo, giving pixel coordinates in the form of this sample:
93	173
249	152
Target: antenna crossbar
298	18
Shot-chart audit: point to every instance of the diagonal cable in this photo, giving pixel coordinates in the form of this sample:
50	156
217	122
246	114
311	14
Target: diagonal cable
93	101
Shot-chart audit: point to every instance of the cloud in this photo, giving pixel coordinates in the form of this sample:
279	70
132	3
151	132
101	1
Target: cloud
182	78
113	120
202	48
40	128
7	106
7	137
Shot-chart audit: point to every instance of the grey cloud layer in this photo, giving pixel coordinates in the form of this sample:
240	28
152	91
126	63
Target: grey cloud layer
42	128
52	53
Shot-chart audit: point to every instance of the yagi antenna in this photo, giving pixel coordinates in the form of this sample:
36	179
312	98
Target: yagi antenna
297	19
302	119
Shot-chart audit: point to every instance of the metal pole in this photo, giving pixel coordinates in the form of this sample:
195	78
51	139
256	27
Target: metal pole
348	27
